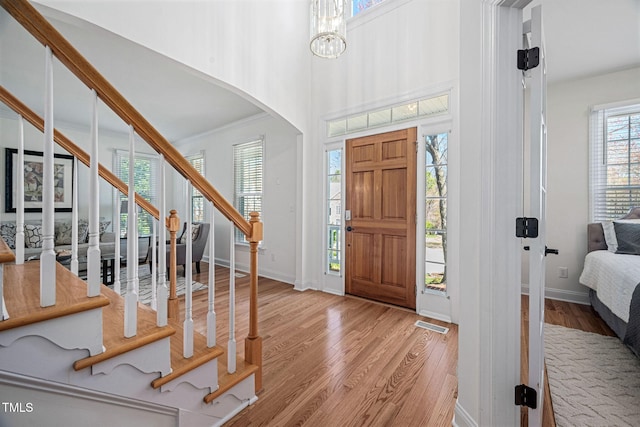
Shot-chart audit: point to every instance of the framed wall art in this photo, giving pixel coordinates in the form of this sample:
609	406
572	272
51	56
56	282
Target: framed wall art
33	171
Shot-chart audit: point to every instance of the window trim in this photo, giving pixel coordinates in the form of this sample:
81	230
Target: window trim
597	159
239	238
195	193
118	155
326	194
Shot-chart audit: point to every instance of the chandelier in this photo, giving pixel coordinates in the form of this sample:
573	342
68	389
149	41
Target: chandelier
328	28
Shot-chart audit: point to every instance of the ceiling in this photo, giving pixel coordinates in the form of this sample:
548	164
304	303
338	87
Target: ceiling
589	37
178	101
583	38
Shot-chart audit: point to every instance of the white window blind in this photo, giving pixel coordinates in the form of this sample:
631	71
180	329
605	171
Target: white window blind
145	175
614	169
197	199
247	179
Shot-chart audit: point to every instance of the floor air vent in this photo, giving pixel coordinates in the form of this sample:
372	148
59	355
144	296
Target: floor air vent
432	327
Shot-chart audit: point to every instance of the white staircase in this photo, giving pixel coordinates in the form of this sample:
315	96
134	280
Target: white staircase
52	361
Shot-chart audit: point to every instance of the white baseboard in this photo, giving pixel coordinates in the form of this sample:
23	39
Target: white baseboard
301	286
269	274
461	418
434	315
562	295
333	292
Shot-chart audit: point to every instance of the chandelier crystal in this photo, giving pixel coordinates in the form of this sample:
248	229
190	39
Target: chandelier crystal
328	28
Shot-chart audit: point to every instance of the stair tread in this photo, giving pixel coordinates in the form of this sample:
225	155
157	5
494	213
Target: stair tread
226	380
114	340
22	295
179	364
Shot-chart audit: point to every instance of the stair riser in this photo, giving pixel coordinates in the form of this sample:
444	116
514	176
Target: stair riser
154	357
25	356
76	331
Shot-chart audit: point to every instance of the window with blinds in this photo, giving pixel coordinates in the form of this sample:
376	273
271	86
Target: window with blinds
144	177
197	199
614	160
247	179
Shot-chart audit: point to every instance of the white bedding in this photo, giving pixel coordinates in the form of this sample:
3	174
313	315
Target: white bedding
614	277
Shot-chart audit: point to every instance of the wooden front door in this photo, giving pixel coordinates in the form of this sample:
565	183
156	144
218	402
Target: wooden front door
381	217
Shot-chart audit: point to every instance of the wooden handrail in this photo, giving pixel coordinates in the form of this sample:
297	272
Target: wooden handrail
6	254
37	122
46	34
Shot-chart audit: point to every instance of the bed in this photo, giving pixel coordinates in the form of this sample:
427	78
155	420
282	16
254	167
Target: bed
612	272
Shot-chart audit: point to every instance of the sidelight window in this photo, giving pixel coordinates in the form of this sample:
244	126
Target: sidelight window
436	212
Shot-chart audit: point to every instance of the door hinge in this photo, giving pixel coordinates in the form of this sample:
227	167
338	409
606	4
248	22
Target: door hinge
526	396
528	58
526	227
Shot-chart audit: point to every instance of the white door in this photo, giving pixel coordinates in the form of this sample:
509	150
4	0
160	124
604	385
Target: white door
538	197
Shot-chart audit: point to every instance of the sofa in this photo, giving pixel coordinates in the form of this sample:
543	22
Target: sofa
62	237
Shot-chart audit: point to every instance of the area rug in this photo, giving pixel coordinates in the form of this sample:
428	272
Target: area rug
594	379
144	286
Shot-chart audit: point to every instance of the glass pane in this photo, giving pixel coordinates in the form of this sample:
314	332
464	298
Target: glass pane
333	261
617	174
404	111
379	118
634	147
617	128
357	122
358	6
617	152
436	210
335	162
634	174
197	203
436	148
335	212
431	106
635	126
337	127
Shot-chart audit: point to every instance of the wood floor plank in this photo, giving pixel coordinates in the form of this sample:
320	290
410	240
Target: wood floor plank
342	361
321	352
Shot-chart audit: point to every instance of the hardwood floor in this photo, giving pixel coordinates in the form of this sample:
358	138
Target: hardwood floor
344	361
339	361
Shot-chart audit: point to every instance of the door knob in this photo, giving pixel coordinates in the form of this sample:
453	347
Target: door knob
349	228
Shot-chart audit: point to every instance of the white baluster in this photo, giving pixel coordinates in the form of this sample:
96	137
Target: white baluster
20	195
211	313
163	291
93	251
48	256
74	219
231	347
131	298
188	297
152	244
116	249
4	315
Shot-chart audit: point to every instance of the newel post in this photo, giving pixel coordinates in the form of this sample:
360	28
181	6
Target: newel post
253	342
173	224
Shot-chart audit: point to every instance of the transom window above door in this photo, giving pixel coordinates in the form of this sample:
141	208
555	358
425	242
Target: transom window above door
417	109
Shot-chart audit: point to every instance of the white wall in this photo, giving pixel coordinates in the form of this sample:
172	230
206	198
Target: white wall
259	48
277	254
568	106
409	49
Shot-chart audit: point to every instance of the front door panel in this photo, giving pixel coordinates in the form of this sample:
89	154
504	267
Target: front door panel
381	198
